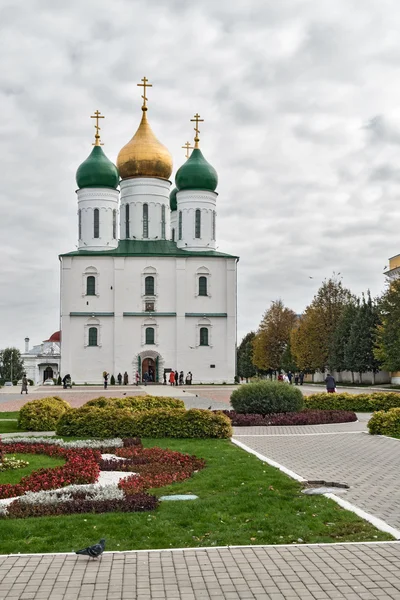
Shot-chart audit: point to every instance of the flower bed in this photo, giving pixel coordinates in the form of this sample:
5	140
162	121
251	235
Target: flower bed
304	417
40	496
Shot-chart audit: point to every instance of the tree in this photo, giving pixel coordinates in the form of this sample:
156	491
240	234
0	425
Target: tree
359	350
387	342
245	366
337	360
12	364
312	340
273	336
288	362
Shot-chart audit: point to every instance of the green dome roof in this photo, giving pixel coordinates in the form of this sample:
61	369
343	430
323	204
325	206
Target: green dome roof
97	171
196	174
173	204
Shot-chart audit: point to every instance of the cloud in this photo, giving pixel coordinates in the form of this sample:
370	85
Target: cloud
300	101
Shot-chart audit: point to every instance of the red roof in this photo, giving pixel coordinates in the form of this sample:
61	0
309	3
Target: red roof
56	337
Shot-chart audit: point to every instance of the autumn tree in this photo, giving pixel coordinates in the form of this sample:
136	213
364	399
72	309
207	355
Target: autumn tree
312	338
245	366
288	361
273	336
387	343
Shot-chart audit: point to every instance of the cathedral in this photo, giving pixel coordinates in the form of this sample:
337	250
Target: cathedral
146	291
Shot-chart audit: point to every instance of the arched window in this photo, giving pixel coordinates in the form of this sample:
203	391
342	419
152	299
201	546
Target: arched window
79	224
149	335
203	286
173	234
127	221
149	285
92	336
145	220
114	224
163	222
96	223
180	225
91	286
213	225
197	233
203	336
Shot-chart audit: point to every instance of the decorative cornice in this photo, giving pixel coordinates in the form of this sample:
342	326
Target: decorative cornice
149	314
201	315
91	314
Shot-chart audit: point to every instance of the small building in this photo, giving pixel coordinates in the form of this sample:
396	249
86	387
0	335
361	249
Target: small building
42	362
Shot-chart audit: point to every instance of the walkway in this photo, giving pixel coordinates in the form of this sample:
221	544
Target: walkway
325	572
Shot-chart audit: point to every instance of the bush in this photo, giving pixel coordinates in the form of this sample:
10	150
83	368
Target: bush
59	380
304	417
266	397
357	402
385	422
157	423
42	415
30	381
136	403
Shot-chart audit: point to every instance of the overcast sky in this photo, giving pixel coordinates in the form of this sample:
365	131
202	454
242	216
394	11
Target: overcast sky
301	101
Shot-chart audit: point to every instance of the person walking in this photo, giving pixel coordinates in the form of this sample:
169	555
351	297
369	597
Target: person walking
290	377
176	377
126	378
190	377
296	379
24	387
119	377
301	377
105	377
171	378
330	384
181	378
146	378
137	378
165	378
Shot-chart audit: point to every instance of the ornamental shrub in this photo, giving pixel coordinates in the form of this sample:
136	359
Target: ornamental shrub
356	402
42	415
157	423
136	403
266	397
112	380
385	422
304	417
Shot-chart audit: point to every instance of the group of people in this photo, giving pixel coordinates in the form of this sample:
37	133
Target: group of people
289	377
176	378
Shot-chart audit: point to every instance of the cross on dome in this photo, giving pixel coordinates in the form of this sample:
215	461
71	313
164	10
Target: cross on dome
144	85
188	147
197	120
97	115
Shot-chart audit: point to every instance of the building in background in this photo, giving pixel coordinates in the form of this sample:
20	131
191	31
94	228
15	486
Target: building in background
391	273
147	290
42	362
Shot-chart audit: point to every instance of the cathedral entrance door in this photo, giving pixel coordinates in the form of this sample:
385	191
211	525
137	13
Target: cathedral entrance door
47	373
149	366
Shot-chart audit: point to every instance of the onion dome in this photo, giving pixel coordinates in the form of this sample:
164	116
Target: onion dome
56	337
173	203
97	171
196	174
144	155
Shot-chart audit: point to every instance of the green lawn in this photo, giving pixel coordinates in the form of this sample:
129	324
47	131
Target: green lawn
241	501
36	461
11	425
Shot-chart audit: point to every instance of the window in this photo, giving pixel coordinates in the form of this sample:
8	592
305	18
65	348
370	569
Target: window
127	221
91	286
92	336
149	335
173	234
213	225
96	223
145	220
197	232
180	225
149	286
203	336
203	286
149	306
163	222
114	224
79	224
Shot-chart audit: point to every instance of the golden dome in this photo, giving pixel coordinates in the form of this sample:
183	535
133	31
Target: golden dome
144	155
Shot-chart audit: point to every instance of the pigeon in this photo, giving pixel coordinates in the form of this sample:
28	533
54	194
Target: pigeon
93	551
124	394
209	408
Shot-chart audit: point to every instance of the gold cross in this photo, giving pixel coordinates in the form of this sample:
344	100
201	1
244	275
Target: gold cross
97	115
144	85
197	120
188	147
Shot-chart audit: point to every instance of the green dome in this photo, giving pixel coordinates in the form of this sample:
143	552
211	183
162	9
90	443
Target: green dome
173	204
97	171
196	174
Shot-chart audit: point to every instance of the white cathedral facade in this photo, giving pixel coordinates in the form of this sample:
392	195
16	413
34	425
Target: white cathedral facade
146	290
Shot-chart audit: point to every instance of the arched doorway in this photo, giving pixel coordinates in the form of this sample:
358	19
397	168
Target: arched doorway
47	373
149	366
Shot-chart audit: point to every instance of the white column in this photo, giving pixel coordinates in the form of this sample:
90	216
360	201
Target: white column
105	200
154	193
189	201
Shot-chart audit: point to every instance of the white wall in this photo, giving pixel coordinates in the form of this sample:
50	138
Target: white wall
106	200
188	202
145	190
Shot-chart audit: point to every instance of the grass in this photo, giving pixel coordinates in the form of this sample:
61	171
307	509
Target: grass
241	501
10	426
36	461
